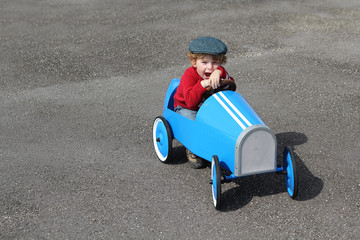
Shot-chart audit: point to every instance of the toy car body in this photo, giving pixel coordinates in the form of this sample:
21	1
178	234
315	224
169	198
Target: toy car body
228	133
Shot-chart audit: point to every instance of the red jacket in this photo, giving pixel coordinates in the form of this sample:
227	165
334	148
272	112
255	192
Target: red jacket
190	92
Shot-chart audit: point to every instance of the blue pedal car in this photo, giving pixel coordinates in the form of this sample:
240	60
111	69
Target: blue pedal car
228	133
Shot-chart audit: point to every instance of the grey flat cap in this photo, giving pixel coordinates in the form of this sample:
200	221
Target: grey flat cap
209	45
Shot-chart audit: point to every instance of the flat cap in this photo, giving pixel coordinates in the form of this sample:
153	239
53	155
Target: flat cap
209	45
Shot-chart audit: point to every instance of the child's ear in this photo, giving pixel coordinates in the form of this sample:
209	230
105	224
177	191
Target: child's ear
193	62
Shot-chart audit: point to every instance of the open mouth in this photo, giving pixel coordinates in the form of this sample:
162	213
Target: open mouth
207	75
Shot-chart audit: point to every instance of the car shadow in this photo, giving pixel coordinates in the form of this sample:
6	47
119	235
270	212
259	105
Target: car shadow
178	155
246	188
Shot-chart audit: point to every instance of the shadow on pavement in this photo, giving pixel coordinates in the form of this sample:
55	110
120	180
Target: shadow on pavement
272	183
178	155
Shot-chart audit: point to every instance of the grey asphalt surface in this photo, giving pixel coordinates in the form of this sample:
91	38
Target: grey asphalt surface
82	81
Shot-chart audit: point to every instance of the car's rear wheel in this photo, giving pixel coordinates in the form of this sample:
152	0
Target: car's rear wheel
162	138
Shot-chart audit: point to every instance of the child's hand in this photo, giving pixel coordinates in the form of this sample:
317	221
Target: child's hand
214	80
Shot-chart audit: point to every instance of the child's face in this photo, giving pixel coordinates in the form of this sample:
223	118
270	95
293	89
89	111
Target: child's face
205	66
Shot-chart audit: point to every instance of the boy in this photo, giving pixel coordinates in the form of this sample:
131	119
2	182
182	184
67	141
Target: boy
206	55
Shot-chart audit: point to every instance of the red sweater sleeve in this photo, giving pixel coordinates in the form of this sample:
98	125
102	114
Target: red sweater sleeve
192	89
225	75
189	93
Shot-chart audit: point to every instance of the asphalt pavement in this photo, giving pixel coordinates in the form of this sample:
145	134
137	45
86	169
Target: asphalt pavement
82	81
